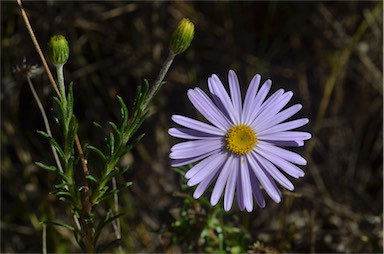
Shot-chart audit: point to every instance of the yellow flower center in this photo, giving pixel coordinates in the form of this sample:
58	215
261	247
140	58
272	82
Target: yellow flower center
241	139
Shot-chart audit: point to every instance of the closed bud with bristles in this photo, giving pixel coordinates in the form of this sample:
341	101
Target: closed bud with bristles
58	50
182	36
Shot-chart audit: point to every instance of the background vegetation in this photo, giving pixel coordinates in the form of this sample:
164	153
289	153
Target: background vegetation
328	53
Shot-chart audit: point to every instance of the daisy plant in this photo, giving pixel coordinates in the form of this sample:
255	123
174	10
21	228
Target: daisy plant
243	147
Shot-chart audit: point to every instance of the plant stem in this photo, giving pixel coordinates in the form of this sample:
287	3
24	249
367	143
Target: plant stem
86	212
160	78
44	239
116	223
60	81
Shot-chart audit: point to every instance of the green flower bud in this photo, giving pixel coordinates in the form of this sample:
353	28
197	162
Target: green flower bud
58	50
182	36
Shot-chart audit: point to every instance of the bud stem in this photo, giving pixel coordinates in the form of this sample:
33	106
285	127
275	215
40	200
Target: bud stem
60	82
160	77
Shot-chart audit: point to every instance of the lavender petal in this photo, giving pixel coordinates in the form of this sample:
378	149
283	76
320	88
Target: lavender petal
284	165
208	109
221	181
197	125
282	153
249	101
211	168
194	148
221	97
230	187
285	126
234	88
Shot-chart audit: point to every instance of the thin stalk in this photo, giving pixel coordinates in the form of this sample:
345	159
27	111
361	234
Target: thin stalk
86	213
61	83
116	223
160	78
44	239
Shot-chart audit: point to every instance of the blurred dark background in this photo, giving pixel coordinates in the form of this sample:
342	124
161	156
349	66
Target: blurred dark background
328	53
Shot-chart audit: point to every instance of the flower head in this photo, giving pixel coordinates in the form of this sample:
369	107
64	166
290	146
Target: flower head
58	49
241	148
182	36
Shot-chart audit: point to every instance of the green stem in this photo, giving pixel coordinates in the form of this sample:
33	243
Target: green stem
60	81
85	209
160	78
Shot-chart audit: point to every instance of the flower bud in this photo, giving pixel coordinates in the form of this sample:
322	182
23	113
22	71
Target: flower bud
58	50
182	36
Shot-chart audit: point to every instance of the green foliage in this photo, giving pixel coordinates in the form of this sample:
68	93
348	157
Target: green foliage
207	229
118	143
203	228
84	194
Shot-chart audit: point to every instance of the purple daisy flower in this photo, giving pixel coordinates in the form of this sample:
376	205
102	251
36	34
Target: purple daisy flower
241	149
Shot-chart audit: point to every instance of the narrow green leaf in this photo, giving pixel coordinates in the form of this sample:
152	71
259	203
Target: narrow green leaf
72	130
92	178
124	115
60	105
44	134
46	167
109	176
124	108
141	94
113	192
123	170
97	125
111	143
58	149
64	194
56	223
102	191
107	219
114	127
98	152
138	139
65	178
61	186
146	86
138	94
